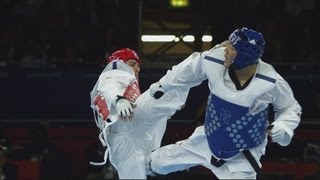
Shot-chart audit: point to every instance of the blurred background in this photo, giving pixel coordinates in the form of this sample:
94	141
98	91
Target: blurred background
52	52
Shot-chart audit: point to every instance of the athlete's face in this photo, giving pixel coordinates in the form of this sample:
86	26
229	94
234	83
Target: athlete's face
230	54
134	66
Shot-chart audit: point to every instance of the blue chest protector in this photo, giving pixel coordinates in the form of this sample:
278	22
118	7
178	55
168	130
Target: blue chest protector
230	128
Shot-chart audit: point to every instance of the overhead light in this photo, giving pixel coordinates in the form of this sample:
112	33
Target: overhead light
188	38
171	38
179	3
158	38
206	38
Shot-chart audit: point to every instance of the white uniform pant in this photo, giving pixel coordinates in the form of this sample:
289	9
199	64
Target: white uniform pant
195	151
131	141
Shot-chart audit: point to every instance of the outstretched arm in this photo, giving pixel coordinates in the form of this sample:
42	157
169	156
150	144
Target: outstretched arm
188	73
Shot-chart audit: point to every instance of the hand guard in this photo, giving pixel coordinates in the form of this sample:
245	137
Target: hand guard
124	107
279	135
156	90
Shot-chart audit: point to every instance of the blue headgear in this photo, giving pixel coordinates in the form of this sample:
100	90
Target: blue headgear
249	45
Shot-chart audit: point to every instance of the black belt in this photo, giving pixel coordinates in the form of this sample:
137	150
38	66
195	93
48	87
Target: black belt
252	161
217	163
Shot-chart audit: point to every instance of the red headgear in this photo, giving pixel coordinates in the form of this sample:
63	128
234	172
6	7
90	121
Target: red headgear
124	55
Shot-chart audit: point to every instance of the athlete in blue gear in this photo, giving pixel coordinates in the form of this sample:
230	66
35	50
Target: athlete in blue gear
234	135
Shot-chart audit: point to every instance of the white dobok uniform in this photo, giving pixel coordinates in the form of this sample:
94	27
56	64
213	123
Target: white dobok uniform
236	120
129	142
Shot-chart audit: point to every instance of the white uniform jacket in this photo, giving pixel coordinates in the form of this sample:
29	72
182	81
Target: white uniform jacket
129	142
266	87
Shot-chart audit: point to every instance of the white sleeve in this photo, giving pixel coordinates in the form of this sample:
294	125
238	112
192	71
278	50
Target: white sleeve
189	72
287	109
113	83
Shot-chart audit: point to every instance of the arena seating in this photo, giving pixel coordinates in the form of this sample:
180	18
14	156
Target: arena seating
74	141
27	169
